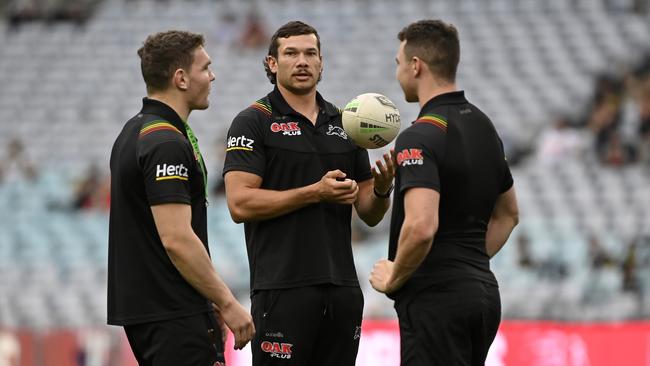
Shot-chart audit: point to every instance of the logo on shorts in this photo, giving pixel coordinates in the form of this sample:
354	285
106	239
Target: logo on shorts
169	171
287	129
277	349
337	131
274	334
357	333
410	157
240	143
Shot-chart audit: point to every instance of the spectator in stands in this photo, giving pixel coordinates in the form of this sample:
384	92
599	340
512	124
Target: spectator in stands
644	123
524	256
16	166
76	11
615	152
629	267
93	191
598	255
227	30
253	34
21	11
560	142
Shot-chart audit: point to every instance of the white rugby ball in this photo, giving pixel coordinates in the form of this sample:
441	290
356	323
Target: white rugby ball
371	120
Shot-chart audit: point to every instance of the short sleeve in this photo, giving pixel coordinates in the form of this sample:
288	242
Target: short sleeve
166	171
507	181
245	146
361	165
419	153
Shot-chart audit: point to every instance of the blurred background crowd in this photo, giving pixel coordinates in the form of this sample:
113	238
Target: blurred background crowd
566	83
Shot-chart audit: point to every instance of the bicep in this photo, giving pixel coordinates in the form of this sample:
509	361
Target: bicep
238	182
173	220
421	207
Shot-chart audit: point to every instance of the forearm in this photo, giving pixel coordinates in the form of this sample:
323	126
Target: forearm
371	208
413	247
253	204
498	232
191	259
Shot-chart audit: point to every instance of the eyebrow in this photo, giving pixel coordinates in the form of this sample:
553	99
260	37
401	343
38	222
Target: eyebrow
297	49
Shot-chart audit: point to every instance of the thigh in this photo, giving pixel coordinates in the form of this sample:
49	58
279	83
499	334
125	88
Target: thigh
338	342
184	341
287	324
445	325
485	323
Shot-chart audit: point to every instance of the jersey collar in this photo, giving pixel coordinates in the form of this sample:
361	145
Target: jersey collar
279	103
457	97
158	108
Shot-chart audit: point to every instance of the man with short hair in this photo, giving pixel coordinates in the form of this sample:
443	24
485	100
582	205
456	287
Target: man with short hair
292	175
162	286
452	183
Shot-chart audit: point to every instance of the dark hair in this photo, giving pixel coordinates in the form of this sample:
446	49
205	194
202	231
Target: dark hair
293	28
434	42
165	52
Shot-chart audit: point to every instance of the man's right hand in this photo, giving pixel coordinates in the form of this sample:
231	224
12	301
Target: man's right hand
239	321
333	187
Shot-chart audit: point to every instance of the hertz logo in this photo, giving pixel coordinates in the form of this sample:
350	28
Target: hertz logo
168	171
240	143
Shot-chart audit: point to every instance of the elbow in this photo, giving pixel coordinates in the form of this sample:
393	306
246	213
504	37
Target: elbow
515	220
171	243
237	213
424	232
514	217
372	221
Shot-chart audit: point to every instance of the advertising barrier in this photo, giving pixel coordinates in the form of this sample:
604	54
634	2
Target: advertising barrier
518	343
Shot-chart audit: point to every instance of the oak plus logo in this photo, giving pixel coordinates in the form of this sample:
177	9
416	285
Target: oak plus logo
277	349
169	171
240	143
287	128
410	157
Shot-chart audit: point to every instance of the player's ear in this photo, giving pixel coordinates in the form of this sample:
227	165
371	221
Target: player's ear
273	64
180	79
416	66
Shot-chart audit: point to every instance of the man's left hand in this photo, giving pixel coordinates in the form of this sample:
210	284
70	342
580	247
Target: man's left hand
384	173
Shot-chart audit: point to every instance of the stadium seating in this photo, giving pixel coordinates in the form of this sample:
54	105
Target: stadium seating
66	90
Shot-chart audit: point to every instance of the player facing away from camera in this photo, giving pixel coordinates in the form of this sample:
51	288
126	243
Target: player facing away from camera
454	208
292	176
162	286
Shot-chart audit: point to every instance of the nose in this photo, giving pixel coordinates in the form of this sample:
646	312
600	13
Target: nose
302	60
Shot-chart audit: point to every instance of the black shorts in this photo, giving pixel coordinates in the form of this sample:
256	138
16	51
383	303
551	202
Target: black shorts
315	325
449	324
194	340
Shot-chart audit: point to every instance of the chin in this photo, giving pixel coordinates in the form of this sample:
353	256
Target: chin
201	106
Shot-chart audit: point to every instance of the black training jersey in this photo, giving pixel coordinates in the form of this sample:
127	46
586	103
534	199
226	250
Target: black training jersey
454	149
310	245
152	162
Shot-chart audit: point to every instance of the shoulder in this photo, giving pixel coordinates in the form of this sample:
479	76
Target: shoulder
157	132
431	121
259	109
